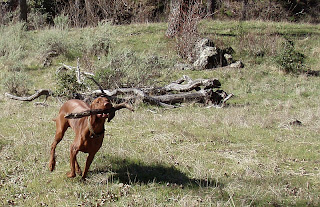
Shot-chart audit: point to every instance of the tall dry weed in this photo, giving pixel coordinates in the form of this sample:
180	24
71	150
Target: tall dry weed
259	45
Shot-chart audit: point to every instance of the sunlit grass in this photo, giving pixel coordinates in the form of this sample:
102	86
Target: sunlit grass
246	154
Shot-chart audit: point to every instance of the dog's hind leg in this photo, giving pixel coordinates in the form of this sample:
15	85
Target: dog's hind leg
78	169
61	127
73	161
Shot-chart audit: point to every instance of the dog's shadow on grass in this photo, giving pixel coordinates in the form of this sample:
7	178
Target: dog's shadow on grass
130	171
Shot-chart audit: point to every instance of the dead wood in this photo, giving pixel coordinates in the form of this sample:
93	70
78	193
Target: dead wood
192	84
110	111
65	67
176	86
208	97
133	93
315	73
177	92
41	92
198	96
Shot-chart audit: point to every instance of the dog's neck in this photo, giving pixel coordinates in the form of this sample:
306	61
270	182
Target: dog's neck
98	131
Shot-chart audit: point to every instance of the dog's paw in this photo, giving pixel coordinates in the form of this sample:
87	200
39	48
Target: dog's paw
52	165
79	172
71	175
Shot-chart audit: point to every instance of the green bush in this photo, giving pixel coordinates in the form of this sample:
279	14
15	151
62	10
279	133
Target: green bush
58	42
61	22
17	83
290	60
67	84
127	69
89	42
37	20
13	46
96	42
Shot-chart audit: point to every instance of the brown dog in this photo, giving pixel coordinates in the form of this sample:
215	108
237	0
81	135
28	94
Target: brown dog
89	132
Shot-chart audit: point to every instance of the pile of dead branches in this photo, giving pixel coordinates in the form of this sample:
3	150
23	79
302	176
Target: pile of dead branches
205	91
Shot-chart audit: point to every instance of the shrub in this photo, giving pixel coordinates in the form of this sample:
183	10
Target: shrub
290	60
67	84
17	83
126	69
58	42
12	46
257	47
97	41
37	20
61	22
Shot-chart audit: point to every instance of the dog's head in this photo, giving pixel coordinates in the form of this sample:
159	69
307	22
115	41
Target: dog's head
101	103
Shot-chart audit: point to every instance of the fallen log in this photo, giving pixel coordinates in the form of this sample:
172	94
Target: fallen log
175	86
192	84
180	91
165	99
41	92
208	97
198	96
136	93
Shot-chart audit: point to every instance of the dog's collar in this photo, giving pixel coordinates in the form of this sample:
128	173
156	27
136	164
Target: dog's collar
93	134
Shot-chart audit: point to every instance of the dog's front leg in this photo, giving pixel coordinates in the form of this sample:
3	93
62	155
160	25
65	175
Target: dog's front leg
73	154
78	170
88	163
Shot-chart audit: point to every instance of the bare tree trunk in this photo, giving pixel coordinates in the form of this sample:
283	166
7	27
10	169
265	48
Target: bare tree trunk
91	17
23	10
174	20
211	6
244	10
77	12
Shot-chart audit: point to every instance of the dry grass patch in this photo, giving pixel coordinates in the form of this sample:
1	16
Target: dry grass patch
246	154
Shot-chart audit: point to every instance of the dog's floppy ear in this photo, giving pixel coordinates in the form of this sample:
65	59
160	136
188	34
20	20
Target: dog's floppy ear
111	116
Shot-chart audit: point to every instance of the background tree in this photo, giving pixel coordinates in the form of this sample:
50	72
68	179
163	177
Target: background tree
23	10
244	10
211	7
174	18
182	24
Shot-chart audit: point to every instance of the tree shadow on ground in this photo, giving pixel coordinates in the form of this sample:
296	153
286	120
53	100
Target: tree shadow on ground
129	171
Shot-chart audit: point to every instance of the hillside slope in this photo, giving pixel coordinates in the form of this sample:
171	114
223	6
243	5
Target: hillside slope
249	153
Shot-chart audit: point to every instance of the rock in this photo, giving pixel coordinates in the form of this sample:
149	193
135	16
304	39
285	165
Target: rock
228	58
201	45
237	64
207	56
296	123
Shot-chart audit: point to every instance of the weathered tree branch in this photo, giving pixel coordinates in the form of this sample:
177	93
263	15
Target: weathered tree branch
179	91
110	111
67	67
136	93
177	86
198	96
191	85
165	99
41	92
78	73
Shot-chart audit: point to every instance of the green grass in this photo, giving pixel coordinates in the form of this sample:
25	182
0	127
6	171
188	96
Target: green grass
246	154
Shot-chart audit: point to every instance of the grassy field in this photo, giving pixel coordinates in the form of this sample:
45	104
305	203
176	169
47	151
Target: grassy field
246	154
